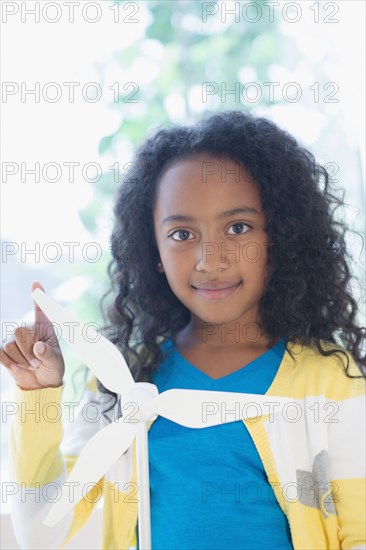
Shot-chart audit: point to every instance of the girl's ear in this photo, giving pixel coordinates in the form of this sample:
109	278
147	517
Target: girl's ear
160	267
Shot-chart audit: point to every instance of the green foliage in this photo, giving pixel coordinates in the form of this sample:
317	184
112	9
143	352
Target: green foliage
192	54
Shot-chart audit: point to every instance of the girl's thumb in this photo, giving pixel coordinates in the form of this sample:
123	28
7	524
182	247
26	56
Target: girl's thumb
39	349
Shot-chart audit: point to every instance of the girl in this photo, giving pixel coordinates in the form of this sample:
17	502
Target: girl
229	272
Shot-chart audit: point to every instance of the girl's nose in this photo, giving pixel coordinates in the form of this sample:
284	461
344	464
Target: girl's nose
212	256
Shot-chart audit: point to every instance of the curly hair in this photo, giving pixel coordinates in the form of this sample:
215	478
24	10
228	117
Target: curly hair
307	299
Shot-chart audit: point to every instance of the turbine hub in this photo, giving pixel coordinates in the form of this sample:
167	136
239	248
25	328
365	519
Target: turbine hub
138	404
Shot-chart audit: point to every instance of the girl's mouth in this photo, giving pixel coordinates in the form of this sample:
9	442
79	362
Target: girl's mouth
219	294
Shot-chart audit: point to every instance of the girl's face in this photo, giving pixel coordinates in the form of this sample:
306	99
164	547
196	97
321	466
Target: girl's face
209	228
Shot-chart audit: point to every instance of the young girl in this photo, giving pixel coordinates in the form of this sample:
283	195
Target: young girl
229	273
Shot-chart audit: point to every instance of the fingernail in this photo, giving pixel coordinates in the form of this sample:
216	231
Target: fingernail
40	347
35	363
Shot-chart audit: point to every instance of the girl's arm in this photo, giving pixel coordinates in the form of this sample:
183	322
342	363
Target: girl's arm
347	459
41	460
39	467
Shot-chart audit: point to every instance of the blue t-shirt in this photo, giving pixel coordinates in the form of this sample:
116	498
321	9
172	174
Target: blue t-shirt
208	487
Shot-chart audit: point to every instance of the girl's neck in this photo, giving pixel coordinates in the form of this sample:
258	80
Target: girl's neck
228	336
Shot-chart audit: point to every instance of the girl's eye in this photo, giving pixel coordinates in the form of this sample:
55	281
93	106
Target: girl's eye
180	232
184	232
240	224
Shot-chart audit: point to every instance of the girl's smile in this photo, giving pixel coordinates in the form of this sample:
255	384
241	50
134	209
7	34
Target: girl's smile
223	289
211	239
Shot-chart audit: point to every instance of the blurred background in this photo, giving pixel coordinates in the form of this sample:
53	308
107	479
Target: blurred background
84	84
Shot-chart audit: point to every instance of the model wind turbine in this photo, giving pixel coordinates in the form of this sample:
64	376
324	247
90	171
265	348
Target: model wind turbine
185	407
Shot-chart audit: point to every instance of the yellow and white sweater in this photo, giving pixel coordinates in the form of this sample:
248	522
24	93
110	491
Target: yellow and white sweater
313	455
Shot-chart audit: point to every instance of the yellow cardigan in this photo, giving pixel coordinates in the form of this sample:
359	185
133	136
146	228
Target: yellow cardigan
313	455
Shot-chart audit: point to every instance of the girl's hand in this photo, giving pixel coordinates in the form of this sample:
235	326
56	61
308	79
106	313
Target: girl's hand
22	355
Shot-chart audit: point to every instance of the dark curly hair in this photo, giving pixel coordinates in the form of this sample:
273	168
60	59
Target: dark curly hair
307	297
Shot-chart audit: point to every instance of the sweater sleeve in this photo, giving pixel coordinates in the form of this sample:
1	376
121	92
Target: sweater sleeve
346	437
41	459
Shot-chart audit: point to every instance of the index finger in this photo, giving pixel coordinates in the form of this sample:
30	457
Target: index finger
39	315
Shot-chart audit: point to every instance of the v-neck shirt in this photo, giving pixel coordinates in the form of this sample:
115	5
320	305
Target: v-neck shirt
208	487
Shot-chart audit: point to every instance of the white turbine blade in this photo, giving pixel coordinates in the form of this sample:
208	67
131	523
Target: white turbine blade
98	455
101	356
204	408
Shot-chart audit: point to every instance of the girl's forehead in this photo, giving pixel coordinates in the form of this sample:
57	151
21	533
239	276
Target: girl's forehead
208	184
206	163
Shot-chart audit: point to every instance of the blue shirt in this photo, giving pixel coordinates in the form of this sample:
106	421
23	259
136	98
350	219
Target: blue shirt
208	487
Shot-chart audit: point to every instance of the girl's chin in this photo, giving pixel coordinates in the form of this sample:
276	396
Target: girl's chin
215	319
